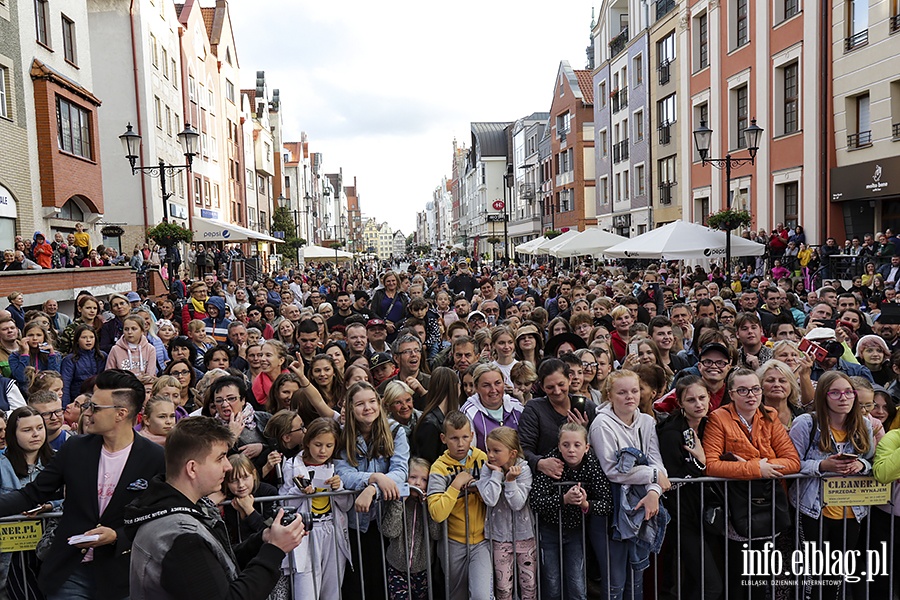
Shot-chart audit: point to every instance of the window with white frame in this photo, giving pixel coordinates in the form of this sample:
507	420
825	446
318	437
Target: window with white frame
666	110
637	69
638	125
5	105
791	81
701	41
640	186
42	21
740	115
741	30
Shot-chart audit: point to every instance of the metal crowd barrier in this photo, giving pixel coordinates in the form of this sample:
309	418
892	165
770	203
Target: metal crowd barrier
777	565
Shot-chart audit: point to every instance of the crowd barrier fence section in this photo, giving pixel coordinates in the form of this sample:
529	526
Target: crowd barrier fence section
696	560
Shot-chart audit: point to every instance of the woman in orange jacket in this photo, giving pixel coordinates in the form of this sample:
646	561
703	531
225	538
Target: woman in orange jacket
744	439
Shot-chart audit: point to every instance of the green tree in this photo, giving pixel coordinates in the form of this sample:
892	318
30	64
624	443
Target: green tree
283	221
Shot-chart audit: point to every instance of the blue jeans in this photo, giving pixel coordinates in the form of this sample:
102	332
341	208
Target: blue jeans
81	585
619	579
569	567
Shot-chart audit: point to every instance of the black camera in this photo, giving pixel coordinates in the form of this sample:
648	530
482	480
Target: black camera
291	514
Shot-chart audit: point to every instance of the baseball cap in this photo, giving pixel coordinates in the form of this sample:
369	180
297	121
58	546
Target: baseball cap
375	323
133	297
378	359
518	291
715	347
477	314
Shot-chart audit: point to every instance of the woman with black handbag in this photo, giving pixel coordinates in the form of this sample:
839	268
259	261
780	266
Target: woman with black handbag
745	440
834	441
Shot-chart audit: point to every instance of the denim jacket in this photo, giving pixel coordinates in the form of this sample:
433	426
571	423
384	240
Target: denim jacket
357	478
807	493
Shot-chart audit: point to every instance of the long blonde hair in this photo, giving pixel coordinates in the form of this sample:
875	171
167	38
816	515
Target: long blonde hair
380	442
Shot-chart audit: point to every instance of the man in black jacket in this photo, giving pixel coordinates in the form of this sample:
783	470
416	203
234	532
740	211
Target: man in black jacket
181	547
101	473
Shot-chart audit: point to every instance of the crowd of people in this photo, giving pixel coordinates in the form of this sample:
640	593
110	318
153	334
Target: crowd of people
450	412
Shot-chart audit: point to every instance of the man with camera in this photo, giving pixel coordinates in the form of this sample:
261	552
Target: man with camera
181	548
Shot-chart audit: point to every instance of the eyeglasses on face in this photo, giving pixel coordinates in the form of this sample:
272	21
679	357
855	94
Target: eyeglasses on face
180	373
719	364
229	400
745	392
838	394
52	413
588	366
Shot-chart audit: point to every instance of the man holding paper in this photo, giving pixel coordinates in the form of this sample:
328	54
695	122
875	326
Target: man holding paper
101	473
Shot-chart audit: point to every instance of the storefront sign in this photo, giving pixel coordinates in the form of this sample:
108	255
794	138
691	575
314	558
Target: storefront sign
7	204
865	181
855	491
20	536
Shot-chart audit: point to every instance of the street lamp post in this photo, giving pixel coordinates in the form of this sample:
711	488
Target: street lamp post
702	139
131	143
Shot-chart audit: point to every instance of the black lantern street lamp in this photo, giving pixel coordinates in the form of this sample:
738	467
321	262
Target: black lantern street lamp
702	140
131	144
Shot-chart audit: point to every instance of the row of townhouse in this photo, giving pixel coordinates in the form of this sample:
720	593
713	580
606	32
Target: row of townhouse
379	240
75	73
617	149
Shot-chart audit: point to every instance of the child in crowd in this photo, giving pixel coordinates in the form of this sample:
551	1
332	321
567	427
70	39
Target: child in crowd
317	569
35	354
419	308
382	368
504	486
82	240
591	494
50	381
157	419
85	361
133	352
199	339
523	377
408	562
466	560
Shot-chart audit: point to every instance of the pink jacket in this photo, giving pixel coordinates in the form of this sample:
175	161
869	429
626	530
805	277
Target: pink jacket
140	359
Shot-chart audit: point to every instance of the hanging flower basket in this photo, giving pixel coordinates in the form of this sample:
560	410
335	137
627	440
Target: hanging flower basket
168	234
551	233
729	220
494	240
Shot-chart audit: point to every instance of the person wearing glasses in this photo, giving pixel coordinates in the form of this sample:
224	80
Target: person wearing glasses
407	353
122	463
835	440
50	407
226	401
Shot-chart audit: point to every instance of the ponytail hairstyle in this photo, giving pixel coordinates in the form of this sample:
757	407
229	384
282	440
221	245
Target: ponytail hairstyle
279	426
42	380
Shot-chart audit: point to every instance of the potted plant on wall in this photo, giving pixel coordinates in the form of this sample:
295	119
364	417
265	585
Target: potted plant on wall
168	235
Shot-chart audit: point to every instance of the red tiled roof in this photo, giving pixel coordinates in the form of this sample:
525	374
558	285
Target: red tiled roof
178	9
209	14
586	83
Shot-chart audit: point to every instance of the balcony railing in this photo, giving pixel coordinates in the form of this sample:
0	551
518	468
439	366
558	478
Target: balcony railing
620	151
663	7
620	99
665	72
665	133
859	140
665	192
857	40
617	44
895	23
895	132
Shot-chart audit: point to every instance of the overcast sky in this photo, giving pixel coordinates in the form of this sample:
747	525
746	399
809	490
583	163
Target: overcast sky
382	88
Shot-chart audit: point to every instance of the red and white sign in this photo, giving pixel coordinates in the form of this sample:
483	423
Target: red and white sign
498	204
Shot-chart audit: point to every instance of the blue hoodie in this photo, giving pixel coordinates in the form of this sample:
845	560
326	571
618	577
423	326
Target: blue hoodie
77	368
217	327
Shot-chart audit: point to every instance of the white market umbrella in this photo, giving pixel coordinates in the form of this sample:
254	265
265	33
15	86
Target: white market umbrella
529	246
544	247
592	241
319	253
683	240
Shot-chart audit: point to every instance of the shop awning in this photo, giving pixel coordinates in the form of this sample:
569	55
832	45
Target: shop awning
208	230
